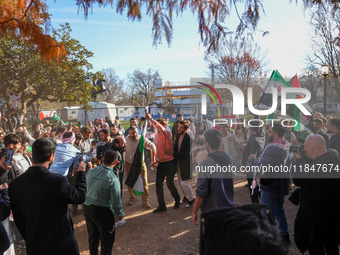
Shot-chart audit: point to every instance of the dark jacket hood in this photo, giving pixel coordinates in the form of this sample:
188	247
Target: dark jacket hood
221	158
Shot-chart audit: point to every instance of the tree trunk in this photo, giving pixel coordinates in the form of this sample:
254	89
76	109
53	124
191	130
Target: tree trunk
36	112
23	109
23	113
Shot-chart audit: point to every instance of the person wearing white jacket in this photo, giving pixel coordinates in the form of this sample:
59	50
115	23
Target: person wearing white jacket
21	160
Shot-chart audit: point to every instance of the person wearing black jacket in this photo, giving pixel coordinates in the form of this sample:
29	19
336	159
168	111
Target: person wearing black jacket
317	223
333	126
6	232
39	201
182	151
118	144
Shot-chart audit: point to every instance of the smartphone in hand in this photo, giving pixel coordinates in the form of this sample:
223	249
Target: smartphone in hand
79	157
9	157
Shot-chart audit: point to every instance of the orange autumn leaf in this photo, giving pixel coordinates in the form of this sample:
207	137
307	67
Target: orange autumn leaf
29	20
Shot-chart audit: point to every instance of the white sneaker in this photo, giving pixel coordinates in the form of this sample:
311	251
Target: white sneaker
189	204
120	223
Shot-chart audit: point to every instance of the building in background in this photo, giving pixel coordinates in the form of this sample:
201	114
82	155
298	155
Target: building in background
186	98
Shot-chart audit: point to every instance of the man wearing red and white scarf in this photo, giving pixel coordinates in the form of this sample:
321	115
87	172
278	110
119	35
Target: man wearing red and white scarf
274	189
65	154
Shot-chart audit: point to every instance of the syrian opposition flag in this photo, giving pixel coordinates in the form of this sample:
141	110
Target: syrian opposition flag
276	82
134	179
292	110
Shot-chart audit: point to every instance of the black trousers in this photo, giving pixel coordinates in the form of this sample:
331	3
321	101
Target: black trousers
168	170
100	224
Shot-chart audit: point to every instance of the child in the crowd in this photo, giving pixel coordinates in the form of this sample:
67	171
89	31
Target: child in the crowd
93	152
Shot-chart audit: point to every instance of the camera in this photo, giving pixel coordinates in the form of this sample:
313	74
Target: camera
297	149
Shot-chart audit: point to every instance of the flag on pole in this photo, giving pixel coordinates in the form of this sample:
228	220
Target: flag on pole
56	117
276	81
294	82
302	120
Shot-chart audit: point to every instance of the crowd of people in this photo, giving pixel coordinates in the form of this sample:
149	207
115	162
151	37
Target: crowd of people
86	166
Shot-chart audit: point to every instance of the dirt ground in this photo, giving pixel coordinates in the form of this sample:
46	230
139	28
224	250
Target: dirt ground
170	232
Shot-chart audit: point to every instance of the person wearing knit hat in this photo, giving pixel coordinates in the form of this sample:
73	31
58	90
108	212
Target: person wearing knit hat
65	154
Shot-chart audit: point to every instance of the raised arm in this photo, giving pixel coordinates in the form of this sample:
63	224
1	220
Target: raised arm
159	127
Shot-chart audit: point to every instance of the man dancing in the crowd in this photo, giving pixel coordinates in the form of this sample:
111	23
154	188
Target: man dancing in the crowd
182	151
132	142
103	200
166	164
39	201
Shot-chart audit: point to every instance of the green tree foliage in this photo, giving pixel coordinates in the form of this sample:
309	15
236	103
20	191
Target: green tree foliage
23	72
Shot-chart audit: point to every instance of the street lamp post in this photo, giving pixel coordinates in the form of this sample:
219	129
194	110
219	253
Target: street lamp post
325	72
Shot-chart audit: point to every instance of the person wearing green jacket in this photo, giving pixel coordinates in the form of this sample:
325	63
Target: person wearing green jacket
103	200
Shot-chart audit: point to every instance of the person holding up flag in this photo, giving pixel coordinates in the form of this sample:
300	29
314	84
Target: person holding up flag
166	164
133	141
